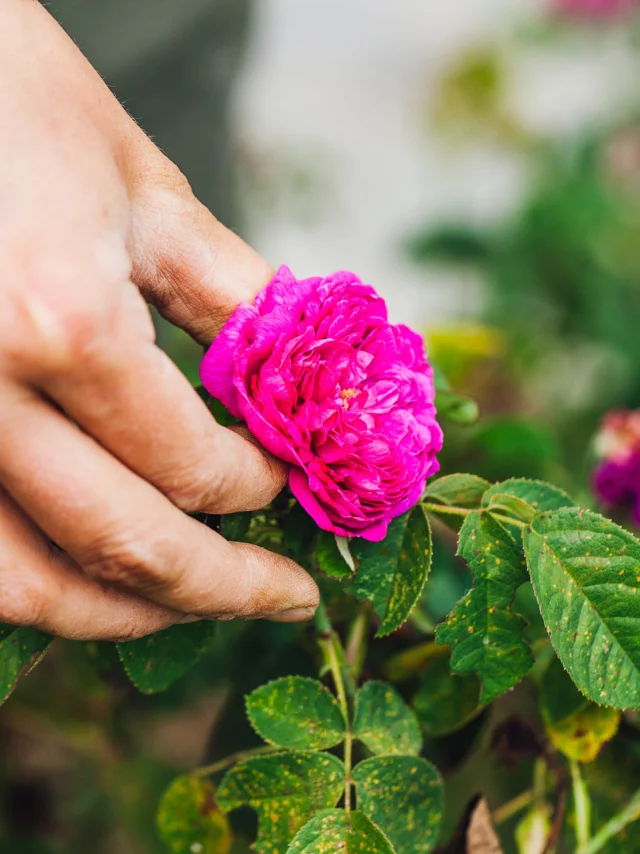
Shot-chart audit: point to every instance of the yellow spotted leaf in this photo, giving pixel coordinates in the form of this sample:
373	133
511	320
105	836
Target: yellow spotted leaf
582	735
403	795
189	820
285	790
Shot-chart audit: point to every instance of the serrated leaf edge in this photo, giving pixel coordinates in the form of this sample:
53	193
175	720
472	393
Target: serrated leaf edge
575	511
382	633
537	482
281	679
148	693
412	714
482	702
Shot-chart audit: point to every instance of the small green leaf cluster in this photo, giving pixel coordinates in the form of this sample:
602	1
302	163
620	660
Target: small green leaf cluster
585	573
309	800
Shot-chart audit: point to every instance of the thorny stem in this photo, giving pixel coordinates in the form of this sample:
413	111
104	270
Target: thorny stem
582	806
223	764
334	657
628	814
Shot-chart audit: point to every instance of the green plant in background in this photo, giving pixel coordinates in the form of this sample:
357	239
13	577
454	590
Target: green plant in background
343	769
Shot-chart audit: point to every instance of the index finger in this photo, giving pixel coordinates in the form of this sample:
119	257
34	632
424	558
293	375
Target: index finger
186	263
128	394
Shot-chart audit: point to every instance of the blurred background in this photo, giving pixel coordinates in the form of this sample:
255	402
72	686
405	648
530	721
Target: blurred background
479	164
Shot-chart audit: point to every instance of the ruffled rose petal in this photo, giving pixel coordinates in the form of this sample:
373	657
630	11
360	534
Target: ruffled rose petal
326	383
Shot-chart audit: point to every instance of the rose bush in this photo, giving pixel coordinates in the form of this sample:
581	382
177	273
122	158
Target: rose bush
327	384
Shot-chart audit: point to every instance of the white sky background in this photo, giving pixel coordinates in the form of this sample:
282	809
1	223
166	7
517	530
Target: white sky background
338	89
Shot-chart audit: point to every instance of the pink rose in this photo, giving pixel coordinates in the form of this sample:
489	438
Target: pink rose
327	384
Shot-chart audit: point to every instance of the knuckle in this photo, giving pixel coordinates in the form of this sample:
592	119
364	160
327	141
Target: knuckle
51	320
23	601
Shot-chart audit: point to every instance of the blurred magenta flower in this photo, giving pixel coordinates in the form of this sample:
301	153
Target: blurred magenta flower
616	480
594	8
327	384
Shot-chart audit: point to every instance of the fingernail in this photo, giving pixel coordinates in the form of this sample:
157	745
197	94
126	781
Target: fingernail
293	615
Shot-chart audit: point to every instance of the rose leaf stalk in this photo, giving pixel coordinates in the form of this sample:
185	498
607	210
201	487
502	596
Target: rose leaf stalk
335	661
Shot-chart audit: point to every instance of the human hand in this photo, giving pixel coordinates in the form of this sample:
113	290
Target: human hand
104	444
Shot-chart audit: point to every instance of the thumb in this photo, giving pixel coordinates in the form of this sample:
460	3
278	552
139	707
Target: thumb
192	268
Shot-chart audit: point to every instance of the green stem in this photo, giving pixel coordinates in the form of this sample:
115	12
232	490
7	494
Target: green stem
334	657
539	782
442	509
336	672
356	649
223	764
628	814
582	805
445	510
510	520
513	807
323	624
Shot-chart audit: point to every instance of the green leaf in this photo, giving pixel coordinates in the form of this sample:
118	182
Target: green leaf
335	831
445	702
21	649
586	575
582	735
404	796
485	635
511	505
296	713
457	490
456	407
285	790
539	495
392	573
189	820
330	560
383	721
155	662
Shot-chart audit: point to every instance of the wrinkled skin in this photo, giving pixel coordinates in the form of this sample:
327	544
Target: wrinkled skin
104	442
327	384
